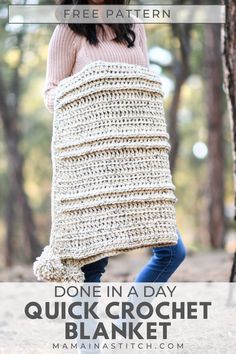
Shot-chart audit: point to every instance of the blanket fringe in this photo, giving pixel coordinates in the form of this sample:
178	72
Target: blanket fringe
49	267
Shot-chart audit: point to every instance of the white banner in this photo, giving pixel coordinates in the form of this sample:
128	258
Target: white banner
117	318
116	13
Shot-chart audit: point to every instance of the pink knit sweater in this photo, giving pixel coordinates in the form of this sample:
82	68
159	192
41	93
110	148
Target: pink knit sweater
69	52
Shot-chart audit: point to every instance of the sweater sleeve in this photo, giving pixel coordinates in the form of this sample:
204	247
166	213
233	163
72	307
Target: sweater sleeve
60	61
143	42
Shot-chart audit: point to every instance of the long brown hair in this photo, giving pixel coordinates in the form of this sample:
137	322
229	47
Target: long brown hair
123	31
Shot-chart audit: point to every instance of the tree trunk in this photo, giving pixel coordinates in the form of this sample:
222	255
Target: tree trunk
229	56
181	72
9	217
180	77
10	119
31	245
214	109
229	51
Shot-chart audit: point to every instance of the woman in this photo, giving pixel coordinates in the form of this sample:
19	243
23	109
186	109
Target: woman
72	47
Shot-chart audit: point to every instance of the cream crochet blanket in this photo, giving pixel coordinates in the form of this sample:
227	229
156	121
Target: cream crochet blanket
112	189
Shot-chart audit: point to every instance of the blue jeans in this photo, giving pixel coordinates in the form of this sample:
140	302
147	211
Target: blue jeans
163	263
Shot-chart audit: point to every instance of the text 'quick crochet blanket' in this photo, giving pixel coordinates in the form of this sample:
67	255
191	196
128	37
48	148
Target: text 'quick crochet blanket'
112	188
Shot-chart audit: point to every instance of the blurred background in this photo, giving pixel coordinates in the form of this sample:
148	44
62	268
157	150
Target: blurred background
189	61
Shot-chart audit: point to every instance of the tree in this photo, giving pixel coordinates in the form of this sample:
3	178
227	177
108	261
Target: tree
229	55
181	70
214	110
9	114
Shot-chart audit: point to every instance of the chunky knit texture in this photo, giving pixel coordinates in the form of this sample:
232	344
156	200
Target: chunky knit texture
112	189
69	53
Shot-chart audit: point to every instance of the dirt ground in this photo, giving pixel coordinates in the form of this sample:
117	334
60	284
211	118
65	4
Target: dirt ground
212	266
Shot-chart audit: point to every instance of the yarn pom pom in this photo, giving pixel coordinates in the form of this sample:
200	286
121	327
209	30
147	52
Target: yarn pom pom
49	267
